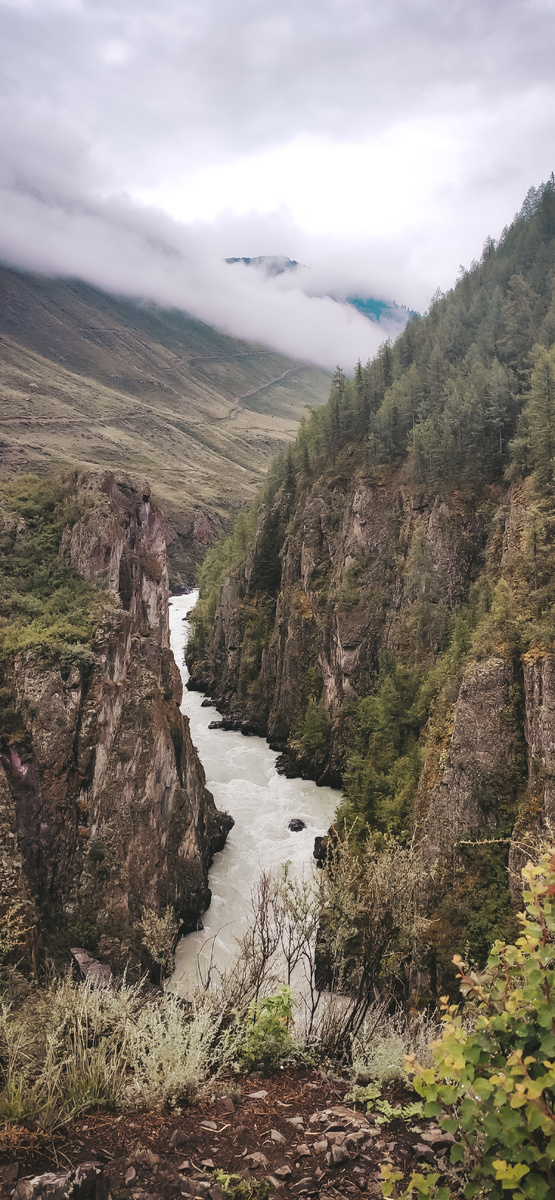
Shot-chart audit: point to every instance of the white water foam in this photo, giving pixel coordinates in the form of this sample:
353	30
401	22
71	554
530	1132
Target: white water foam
241	774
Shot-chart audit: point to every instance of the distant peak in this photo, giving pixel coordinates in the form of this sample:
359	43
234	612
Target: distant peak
272	264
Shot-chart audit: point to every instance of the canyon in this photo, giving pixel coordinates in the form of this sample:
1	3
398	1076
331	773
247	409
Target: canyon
104	809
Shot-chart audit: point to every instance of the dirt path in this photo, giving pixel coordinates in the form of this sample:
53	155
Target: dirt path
234	412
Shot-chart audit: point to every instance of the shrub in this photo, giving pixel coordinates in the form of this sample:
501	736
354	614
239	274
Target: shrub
173	1051
160	937
71	1047
379	1052
314	728
15	924
495	1083
260	1037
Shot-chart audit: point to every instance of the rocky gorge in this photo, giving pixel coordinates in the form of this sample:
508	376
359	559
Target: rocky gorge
104	810
386	617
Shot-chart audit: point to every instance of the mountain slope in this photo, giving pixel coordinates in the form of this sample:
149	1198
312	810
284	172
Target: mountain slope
387	616
91	379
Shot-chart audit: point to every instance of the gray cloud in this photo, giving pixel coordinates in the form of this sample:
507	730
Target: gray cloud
102	101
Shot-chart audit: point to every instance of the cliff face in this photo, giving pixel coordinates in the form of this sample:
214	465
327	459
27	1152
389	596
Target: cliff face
371	574
363	571
104	798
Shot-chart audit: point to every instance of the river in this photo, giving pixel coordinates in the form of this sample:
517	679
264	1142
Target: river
241	774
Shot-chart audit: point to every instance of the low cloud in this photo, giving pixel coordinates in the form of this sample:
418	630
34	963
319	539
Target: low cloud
135	252
379	144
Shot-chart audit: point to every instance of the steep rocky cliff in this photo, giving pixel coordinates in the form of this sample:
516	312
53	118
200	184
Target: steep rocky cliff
364	570
376	580
103	804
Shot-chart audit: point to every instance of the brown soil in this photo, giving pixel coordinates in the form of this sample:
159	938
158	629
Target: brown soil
166	1155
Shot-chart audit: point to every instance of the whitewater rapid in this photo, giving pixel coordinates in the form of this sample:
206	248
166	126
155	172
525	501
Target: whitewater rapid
242	776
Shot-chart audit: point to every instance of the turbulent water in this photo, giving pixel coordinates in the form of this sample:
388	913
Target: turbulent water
241	774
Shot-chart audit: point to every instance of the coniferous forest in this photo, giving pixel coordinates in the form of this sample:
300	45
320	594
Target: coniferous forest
392	597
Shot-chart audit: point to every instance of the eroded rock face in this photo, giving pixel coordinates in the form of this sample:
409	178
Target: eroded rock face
364	570
473	793
352	567
104	788
539	728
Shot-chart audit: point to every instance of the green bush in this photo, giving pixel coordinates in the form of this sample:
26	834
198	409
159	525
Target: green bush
260	1037
494	1085
159	937
237	1188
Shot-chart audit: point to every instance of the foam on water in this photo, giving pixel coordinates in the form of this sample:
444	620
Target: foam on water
241	774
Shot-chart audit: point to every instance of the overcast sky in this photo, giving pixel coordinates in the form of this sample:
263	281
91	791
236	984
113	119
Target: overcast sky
379	143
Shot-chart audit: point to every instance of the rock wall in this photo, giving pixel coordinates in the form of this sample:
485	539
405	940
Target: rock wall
102	785
470	784
370	570
362	570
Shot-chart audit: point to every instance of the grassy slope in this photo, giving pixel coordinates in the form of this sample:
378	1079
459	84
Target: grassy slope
105	382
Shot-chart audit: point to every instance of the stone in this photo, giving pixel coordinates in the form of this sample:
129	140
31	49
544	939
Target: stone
305	1186
283	1172
320	1146
185	1165
296	825
225	1104
437	1138
425	1152
81	1182
147	1158
348	1115
212	1125
260	1095
216	1192
130	1175
89	969
28	1189
276	1136
258	1159
208	1163
302	1151
179	1138
295	1121
339	1155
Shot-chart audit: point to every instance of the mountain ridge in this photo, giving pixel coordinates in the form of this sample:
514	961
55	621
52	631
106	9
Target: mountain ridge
100	381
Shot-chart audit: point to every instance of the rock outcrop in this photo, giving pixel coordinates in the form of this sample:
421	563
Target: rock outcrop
103	804
361	570
477	777
364	574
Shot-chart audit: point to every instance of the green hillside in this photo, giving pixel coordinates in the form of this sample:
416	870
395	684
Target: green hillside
386	614
109	383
